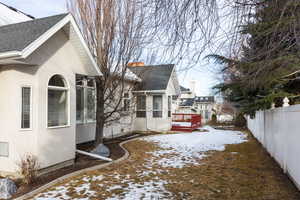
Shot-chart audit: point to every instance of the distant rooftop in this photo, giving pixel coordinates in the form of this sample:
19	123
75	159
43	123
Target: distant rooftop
183	89
205	99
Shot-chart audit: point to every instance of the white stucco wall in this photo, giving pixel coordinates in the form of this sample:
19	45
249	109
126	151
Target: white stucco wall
20	142
156	124
51	145
278	131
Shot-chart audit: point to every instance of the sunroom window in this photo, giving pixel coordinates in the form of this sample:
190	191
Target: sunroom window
157	106
85	99
126	102
57	102
141	106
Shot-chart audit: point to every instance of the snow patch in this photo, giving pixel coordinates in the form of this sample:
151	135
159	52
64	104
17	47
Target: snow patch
187	148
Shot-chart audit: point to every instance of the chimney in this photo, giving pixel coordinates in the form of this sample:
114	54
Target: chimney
136	64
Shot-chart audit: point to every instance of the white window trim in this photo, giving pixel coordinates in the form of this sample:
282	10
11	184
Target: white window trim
162	106
8	150
85	109
67	89
31	93
123	102
141	110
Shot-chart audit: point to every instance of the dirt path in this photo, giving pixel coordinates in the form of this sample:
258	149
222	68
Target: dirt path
206	165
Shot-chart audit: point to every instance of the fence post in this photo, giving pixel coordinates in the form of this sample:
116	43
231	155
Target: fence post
273	106
286	102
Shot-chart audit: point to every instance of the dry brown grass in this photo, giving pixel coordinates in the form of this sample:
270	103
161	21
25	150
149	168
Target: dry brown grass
241	172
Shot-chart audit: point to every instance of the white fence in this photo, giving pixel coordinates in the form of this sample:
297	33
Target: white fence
279	132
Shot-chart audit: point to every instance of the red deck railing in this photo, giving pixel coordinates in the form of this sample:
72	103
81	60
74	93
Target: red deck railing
185	122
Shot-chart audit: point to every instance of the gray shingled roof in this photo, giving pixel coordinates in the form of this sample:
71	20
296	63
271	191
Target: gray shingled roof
183	89
187	102
154	77
16	37
205	99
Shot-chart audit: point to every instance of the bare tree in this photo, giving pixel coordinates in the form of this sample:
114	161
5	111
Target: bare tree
115	32
118	31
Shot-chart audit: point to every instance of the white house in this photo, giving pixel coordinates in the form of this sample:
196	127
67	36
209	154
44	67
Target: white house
189	103
154	97
42	62
48	92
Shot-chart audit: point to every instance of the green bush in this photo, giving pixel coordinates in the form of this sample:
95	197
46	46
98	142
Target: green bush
214	118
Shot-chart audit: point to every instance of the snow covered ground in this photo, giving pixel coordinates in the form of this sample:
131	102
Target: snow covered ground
182	124
176	151
188	147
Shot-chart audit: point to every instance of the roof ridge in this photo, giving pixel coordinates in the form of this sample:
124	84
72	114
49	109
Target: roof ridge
34	20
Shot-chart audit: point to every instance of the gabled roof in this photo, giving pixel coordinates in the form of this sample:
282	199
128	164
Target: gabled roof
154	77
16	37
18	41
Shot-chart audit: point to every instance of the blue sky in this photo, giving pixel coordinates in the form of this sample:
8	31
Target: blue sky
202	73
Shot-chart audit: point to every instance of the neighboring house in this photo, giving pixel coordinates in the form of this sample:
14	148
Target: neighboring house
189	103
154	96
205	107
10	15
42	64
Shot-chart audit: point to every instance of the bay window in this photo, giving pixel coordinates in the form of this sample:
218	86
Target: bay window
157	106
58	111
141	106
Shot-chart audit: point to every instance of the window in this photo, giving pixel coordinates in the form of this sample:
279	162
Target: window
91	104
85	99
79	104
169	106
26	108
157	106
206	114
126	102
141	106
4	150
57	102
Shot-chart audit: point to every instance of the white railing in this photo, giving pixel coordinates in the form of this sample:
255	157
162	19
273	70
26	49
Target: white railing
278	130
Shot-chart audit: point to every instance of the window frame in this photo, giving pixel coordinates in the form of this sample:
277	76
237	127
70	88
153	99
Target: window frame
157	111
141	110
85	89
5	156
126	98
56	88
169	106
30	110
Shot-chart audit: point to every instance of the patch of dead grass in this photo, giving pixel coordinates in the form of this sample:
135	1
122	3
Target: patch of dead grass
241	172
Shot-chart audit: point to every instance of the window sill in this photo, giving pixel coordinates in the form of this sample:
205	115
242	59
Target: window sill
58	127
25	129
83	123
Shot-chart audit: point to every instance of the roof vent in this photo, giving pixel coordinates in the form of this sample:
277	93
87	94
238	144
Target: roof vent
136	64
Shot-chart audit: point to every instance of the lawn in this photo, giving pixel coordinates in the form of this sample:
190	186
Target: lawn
211	165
